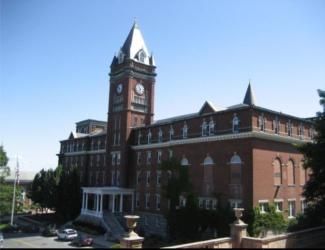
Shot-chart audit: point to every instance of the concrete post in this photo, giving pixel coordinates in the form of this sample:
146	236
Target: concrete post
238	229
86	201
132	203
83	202
101	204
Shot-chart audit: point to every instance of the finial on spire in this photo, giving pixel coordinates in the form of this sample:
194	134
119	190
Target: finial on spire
135	23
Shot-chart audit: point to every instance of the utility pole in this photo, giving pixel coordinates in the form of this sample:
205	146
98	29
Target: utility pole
14	195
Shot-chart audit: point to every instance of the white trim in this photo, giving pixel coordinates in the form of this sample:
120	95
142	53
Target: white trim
101	151
292	199
278	200
263	201
253	134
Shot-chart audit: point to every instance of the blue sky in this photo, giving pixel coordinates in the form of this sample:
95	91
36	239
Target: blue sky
55	58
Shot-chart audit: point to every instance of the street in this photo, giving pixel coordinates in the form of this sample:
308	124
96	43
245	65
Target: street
34	240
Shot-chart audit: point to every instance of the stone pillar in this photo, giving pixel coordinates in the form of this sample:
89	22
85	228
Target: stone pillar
121	203
238	229
83	202
132	240
97	203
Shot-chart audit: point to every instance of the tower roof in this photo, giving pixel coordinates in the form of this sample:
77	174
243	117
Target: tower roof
249	96
135	48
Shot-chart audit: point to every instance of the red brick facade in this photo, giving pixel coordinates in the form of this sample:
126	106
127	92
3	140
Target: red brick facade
243	154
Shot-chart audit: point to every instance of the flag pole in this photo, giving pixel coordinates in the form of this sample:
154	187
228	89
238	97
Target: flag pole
14	197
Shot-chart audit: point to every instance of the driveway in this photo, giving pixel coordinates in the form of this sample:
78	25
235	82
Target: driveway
34	240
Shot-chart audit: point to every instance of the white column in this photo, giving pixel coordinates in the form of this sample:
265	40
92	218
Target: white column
86	201
132	203
101	203
97	203
121	203
83	202
113	203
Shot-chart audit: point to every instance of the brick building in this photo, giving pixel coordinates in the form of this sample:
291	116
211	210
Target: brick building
242	155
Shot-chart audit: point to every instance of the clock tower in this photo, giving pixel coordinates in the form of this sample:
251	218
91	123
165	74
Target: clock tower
131	101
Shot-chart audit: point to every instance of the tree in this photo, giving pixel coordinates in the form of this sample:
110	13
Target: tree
6	193
68	197
4	169
314	162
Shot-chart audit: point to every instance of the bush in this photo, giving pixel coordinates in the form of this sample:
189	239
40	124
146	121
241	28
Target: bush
88	228
269	221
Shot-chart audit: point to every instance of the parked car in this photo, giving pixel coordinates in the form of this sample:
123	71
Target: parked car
82	241
49	231
1	240
67	234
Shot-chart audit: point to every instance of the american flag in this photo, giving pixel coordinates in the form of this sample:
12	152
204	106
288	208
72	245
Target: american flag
17	172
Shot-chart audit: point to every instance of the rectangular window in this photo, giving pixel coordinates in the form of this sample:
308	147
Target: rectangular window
303	206
157	201
148	178
278	206
138	177
147	200
170	152
214	204
291	208
137	200
113	178
264	206
118	158
138	158
158	178
201	201
113	158
182	201
159	153
118	178
148	157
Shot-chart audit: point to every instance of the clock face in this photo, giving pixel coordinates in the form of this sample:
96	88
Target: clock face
119	88
139	89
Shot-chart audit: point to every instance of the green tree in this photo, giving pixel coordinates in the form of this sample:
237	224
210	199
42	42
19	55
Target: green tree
4	169
6	194
68	197
314	161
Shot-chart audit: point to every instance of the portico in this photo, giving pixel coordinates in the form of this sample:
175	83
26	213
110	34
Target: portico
96	200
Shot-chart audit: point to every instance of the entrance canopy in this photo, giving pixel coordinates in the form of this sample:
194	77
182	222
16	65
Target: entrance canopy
107	190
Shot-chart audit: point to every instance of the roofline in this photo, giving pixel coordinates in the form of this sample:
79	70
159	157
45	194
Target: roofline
91	120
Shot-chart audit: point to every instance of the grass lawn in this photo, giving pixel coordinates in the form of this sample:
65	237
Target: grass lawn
4	226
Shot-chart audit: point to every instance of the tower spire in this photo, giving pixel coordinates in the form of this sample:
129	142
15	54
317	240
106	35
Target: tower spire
249	96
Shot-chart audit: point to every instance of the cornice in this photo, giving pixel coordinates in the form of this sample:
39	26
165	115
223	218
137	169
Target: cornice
254	134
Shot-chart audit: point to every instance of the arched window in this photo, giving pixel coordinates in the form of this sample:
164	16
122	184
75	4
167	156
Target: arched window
303	173
139	138
291	173
277	172
235	124
184	161
261	122
208	160
235	169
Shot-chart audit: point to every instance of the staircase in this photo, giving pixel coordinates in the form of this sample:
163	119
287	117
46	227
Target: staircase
114	229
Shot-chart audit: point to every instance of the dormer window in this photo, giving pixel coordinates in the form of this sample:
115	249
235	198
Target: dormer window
301	131
204	128
276	125
261	122
149	137
235	124
142	56
211	126
171	132
185	130
289	128
160	135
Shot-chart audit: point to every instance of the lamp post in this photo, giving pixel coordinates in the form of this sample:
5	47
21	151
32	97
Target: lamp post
14	194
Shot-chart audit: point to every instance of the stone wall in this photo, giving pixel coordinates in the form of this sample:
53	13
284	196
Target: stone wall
314	237
152	224
215	243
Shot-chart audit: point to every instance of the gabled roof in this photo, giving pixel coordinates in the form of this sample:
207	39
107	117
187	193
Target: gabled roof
208	107
249	96
75	135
